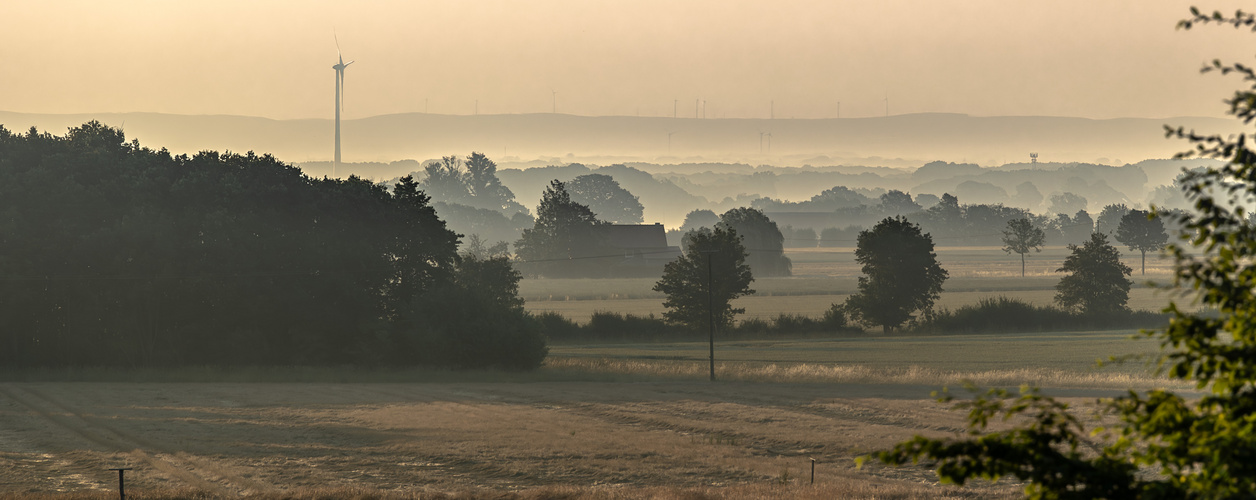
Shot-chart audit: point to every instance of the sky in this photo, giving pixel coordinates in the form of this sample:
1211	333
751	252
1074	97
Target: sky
712	58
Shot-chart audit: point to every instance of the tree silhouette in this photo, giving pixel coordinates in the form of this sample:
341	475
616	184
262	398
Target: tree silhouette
685	279
564	240
606	198
901	274
1096	282
1022	237
1142	231
761	238
1110	218
136	257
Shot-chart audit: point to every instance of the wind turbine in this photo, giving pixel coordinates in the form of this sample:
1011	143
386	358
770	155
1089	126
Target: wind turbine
340	79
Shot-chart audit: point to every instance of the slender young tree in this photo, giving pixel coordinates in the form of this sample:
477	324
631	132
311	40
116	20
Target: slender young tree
1022	237
1142	231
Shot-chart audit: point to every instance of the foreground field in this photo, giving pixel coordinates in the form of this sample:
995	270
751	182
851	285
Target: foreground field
627	421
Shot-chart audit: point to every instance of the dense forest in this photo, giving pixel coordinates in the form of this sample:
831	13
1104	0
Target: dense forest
117	254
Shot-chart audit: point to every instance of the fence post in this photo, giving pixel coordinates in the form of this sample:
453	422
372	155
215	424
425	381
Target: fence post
121	481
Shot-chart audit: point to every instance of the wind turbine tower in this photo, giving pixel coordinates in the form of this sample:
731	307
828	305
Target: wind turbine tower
340	80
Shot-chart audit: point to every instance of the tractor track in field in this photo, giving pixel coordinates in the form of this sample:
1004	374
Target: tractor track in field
193	471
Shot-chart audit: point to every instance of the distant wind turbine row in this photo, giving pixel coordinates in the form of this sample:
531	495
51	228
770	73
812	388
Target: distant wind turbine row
699	108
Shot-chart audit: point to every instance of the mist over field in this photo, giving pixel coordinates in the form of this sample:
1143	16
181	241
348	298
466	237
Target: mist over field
626	249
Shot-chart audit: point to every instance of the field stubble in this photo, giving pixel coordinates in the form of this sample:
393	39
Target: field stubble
481	440
597	422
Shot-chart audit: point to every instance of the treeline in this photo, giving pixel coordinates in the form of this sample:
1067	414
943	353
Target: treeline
951	223
606	326
116	254
992	315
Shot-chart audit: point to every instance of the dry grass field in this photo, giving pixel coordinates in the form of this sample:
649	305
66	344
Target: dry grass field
824	276
228	440
604	421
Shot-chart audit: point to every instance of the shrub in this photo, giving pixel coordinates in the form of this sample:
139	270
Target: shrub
1003	314
555	326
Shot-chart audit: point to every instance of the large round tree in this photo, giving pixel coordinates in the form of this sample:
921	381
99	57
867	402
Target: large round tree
901	274
762	238
606	198
715	260
1096	282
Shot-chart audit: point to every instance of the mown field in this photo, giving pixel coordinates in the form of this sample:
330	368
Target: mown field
603	421
824	276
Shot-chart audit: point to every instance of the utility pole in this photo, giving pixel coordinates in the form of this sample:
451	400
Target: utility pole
710	255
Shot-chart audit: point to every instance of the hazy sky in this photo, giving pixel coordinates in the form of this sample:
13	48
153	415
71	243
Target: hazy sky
1097	59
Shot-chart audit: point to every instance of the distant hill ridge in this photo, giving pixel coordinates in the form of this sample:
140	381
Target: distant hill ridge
899	141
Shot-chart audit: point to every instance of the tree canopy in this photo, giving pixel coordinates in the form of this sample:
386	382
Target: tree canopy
1096	281
761	238
901	274
606	198
1142	231
685	279
116	254
565	240
1066	203
472	183
1022	237
1110	218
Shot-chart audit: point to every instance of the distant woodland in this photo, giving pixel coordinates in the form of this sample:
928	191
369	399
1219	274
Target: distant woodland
959	204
